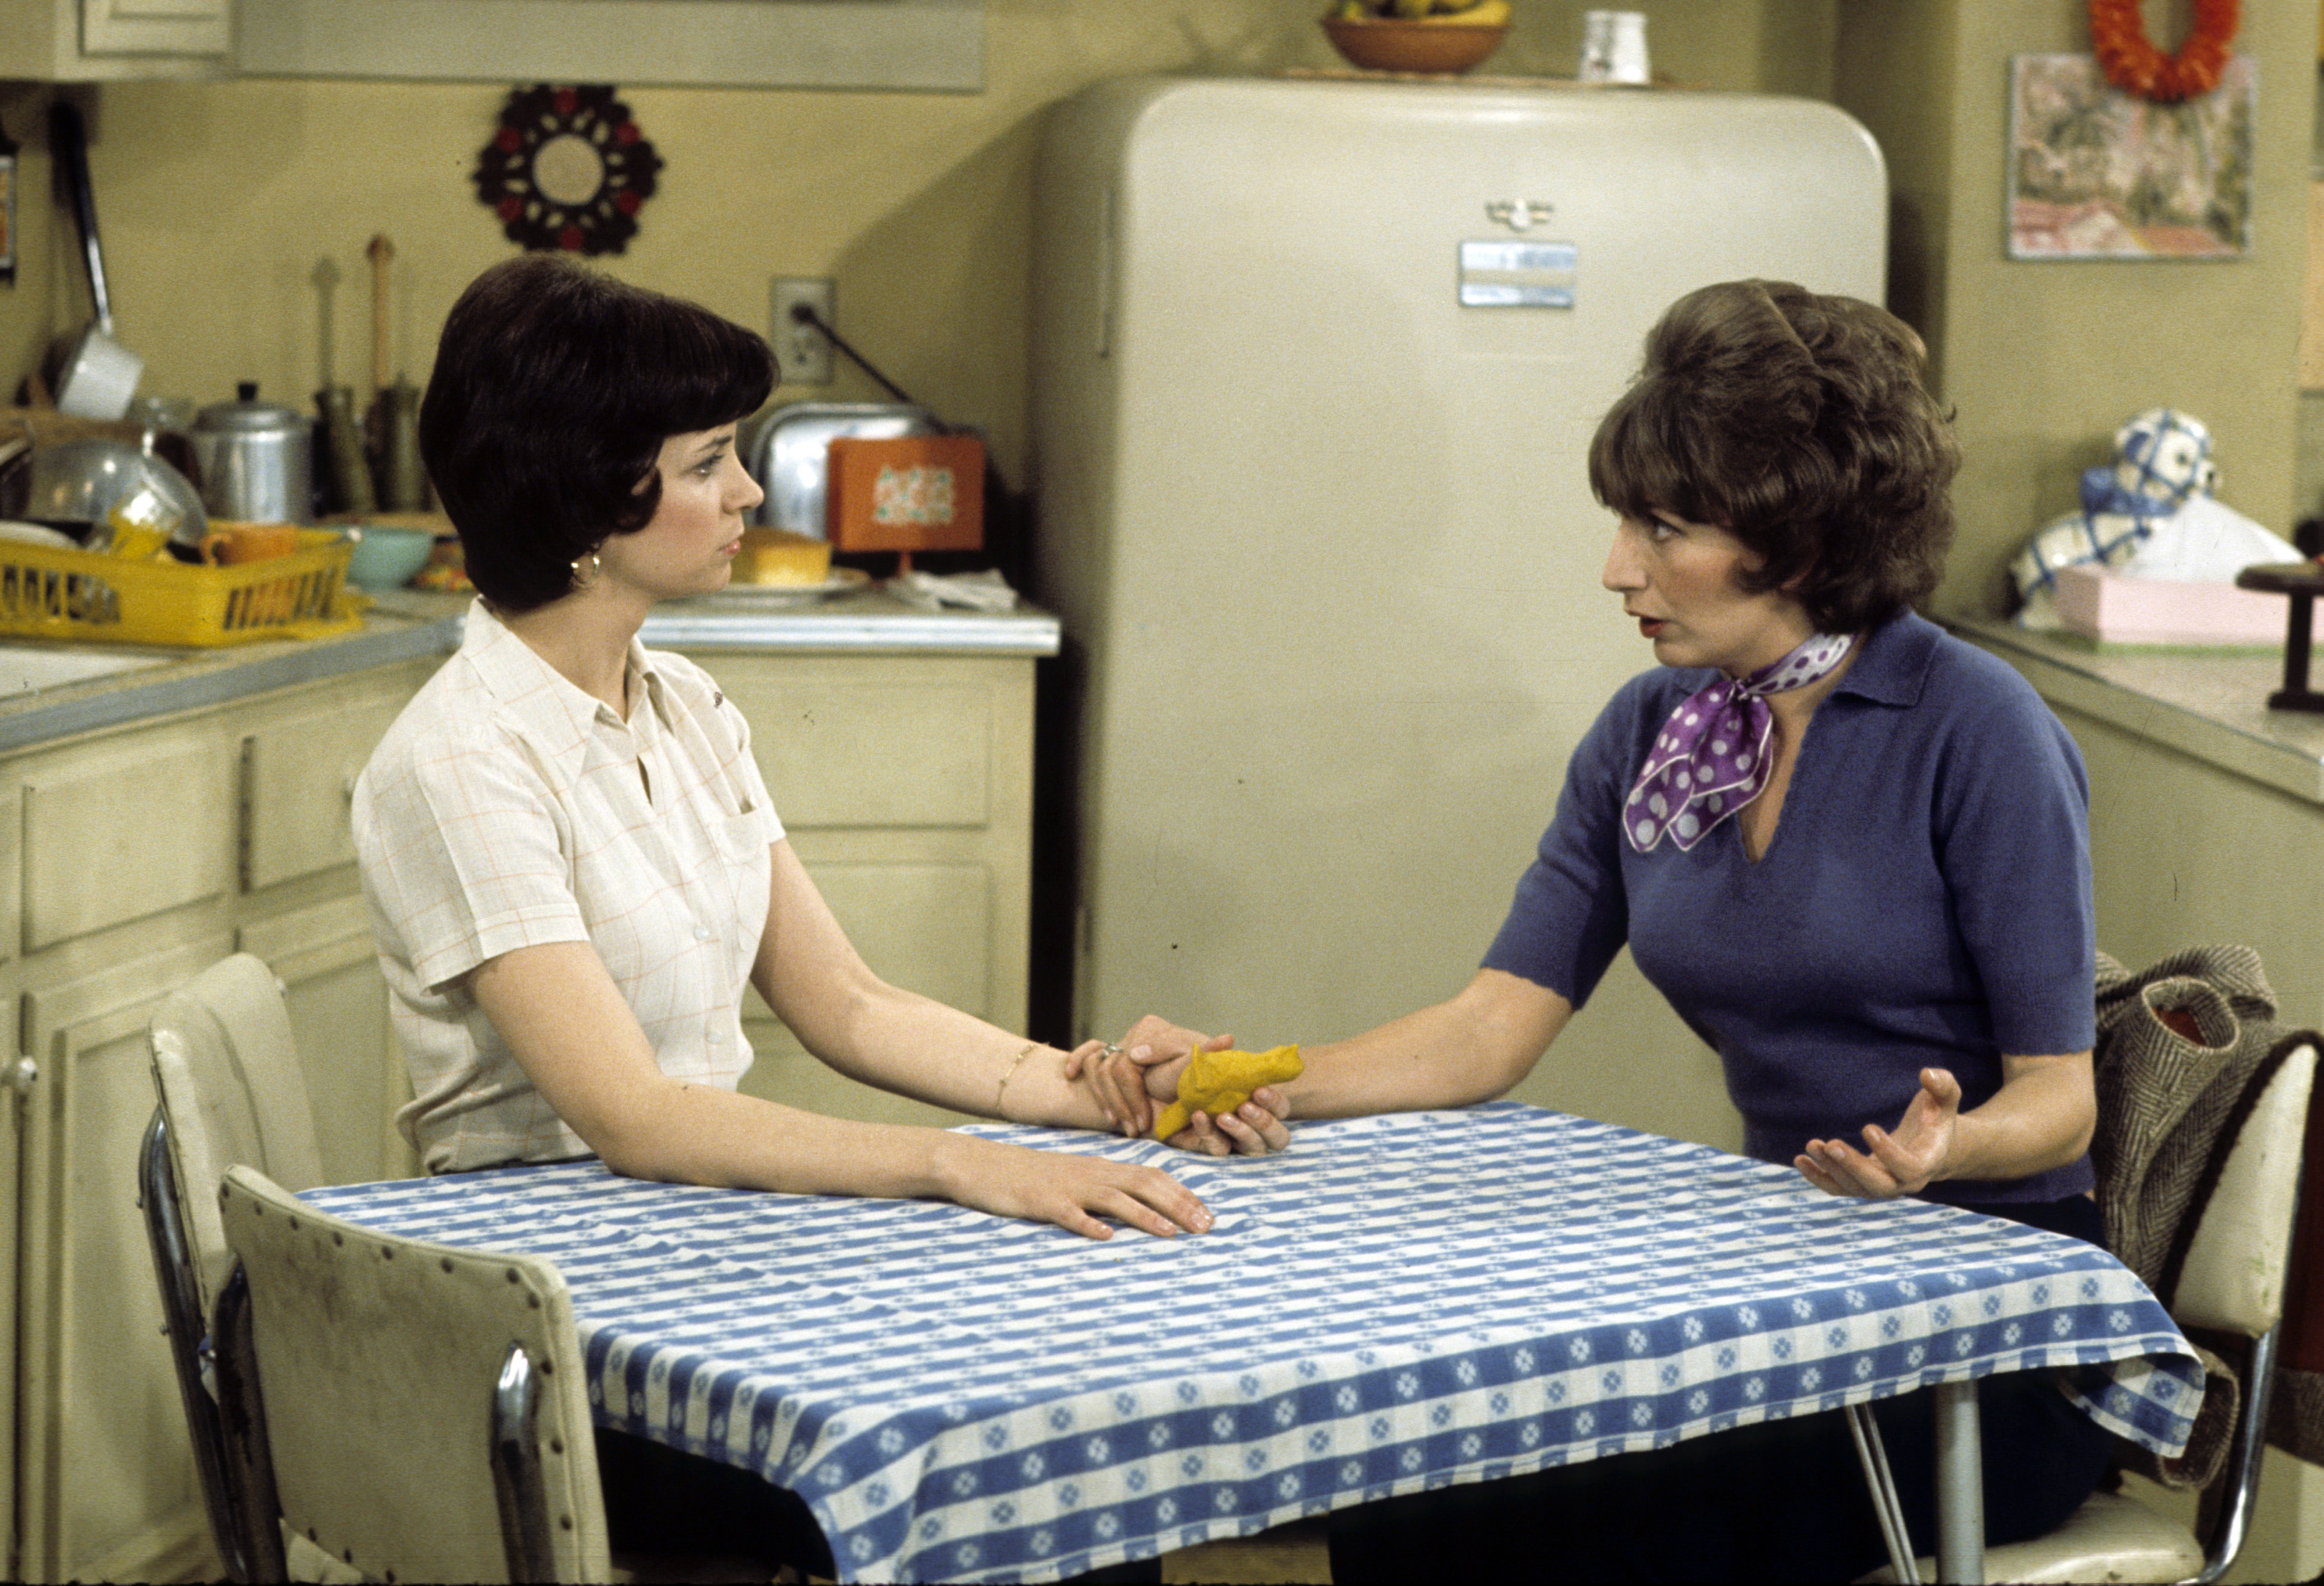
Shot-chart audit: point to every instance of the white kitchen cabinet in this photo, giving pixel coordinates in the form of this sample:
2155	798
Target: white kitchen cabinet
149	850
923	44
298	782
905	783
124	830
102	40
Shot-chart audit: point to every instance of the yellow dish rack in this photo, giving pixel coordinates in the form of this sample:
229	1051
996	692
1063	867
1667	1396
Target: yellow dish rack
53	593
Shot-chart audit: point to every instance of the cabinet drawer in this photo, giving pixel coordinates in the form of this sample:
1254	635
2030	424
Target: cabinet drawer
298	778
872	754
117	835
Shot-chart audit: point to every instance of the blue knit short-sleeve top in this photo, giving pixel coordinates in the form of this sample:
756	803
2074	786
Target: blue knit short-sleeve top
1925	901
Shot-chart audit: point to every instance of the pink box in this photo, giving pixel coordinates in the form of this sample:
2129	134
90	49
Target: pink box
2100	603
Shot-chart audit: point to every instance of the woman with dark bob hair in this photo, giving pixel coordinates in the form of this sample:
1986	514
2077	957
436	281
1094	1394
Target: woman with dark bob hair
1853	852
573	866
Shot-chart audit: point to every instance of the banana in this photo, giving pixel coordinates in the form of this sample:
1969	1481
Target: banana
1410	10
1484	13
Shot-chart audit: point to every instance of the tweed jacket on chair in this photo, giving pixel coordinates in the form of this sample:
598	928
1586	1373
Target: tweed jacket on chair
2184	1049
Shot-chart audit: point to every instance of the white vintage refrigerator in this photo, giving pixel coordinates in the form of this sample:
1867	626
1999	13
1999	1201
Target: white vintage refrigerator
1315	368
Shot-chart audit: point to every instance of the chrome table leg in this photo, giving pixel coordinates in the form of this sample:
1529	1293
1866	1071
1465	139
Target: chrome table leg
1961	1487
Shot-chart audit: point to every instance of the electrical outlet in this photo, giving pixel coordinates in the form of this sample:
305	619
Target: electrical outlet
801	351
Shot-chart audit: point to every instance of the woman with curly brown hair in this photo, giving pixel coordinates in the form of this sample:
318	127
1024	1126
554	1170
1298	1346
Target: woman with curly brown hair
1853	852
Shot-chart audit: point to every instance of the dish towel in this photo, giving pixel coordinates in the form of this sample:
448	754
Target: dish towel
980	592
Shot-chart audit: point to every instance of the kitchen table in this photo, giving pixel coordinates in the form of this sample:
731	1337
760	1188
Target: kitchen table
1394	1303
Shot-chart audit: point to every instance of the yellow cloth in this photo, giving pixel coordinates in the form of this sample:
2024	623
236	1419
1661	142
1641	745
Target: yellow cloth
1220	1081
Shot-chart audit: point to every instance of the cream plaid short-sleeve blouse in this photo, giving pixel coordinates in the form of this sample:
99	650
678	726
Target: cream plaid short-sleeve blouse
507	808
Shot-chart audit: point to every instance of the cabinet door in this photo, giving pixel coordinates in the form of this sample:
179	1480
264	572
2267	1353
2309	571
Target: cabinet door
906	783
12	870
356	1079
104	1471
13	1106
101	40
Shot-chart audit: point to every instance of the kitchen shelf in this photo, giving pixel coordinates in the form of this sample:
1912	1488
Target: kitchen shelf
929	45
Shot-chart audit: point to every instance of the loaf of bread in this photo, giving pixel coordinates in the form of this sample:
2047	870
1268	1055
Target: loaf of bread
777	556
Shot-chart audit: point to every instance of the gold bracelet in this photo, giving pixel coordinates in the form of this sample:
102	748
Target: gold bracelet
1002	1090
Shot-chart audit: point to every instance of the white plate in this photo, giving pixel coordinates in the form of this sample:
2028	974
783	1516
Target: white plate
759	596
37	534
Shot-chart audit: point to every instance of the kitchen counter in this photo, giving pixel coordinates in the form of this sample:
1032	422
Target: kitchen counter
405	625
158	682
2209	705
868	623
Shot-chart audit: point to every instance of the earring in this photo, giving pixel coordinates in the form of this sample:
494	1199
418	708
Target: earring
583	577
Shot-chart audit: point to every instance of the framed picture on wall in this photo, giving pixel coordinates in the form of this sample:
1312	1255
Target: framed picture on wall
2096	173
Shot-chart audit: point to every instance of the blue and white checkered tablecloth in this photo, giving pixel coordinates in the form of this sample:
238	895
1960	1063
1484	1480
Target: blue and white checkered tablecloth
1394	1303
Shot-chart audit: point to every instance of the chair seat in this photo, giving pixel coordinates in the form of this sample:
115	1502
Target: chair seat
2109	1538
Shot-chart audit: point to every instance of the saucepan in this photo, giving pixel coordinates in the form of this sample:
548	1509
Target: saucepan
99	375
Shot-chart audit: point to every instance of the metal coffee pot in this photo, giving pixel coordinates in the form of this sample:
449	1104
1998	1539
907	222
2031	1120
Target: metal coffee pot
256	459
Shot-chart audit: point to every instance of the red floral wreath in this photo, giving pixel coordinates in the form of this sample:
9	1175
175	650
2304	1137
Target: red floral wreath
2133	65
567	169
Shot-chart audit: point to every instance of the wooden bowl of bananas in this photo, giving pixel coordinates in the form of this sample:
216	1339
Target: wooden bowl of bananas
1438	37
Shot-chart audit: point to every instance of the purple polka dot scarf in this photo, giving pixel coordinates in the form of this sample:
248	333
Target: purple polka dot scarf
1710	758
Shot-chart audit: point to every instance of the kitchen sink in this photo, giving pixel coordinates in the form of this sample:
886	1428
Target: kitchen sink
25	669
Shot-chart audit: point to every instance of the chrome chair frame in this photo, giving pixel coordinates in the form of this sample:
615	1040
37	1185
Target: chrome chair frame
181	1310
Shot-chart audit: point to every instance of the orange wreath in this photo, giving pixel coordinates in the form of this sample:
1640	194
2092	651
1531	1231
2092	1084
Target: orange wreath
2133	65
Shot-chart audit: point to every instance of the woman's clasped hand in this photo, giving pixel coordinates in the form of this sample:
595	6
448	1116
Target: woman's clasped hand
1135	1077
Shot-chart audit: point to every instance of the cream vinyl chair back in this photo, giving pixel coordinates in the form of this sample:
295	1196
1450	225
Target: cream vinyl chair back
232	1091
2233	1281
421	1407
